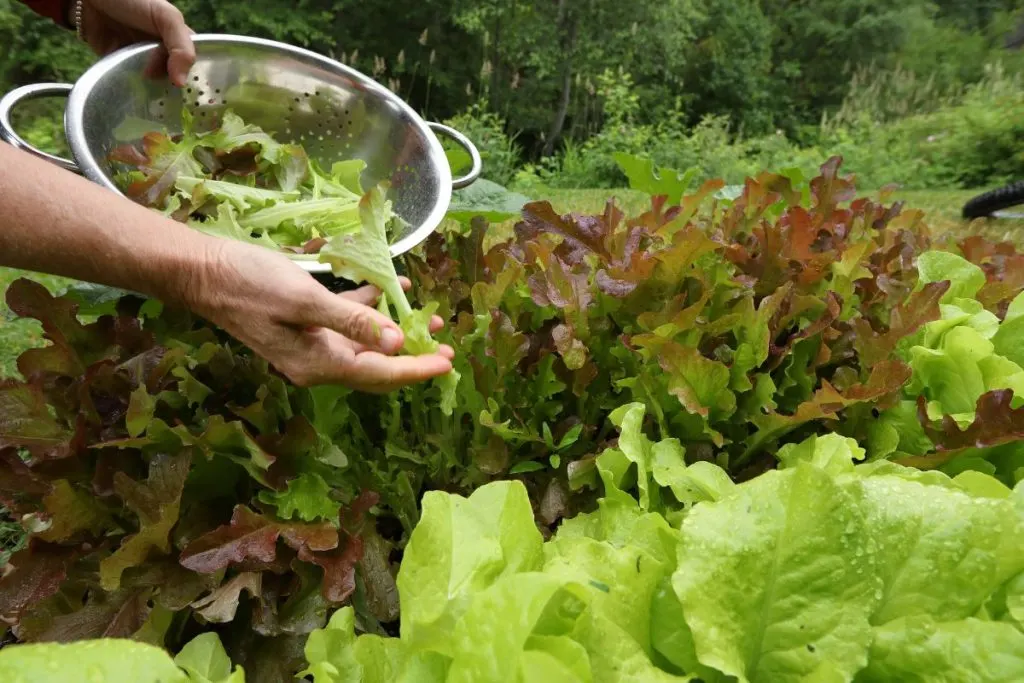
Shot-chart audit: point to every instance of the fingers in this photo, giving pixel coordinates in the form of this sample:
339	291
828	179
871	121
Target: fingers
156	66
177	40
323	356
353	319
367	296
377	373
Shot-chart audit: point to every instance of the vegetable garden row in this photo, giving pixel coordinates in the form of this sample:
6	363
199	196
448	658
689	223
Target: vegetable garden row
768	435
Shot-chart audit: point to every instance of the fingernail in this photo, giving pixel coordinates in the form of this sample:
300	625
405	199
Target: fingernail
390	339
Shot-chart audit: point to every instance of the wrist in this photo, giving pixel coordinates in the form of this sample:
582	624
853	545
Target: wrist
70	11
184	269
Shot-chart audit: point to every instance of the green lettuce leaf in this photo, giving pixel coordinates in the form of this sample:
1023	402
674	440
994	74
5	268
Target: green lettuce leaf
771	582
307	496
205	661
964	277
336	655
365	256
833	453
939	551
920	649
492	640
95	660
460	547
656	467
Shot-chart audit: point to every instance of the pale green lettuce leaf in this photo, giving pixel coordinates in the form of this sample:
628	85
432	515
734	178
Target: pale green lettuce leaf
966	312
1015	601
333	217
771	582
940	551
965	366
335	655
622	523
241	197
88	660
556	652
964	277
833	453
329	650
671	636
206	661
950	375
615	657
621	580
460	547
1009	340
658	465
490	640
342	181
225	225
921	650
539	665
897	430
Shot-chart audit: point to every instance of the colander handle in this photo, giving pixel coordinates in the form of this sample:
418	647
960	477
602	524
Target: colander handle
9	135
477	166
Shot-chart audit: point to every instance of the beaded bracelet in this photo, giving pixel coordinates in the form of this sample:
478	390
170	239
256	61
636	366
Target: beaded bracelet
77	19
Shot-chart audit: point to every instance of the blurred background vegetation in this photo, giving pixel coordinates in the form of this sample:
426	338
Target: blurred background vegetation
924	93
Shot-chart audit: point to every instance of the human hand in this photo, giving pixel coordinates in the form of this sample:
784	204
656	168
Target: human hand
309	334
108	25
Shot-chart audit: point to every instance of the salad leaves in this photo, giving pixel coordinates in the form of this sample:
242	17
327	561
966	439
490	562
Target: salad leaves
806	573
236	181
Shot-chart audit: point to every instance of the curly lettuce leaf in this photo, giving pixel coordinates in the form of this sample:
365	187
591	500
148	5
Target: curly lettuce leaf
241	197
657	468
307	496
833	453
365	256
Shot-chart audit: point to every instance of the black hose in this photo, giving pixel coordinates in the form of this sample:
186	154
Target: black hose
996	200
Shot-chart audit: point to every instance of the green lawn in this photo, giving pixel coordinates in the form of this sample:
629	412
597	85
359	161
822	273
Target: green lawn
942	208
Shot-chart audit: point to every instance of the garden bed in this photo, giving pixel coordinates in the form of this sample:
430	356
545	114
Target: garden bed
773	435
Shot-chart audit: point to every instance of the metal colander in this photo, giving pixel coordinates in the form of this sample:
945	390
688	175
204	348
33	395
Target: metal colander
297	96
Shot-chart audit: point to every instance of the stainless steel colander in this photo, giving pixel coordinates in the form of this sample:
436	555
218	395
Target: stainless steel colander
297	96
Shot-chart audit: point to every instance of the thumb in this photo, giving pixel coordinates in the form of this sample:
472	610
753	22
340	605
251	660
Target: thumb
358	322
176	37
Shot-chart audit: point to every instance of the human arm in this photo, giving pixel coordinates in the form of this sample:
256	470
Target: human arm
62	224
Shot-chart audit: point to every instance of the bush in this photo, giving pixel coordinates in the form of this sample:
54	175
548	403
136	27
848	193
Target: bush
500	154
973	143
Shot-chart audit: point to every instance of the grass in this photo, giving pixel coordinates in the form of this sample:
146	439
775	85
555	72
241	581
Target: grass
942	208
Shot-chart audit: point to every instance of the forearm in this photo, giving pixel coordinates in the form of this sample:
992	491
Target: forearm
55	222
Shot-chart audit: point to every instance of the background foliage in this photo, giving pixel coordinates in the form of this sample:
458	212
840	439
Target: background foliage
554	89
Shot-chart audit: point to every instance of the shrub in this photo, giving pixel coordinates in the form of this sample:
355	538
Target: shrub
500	154
974	143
